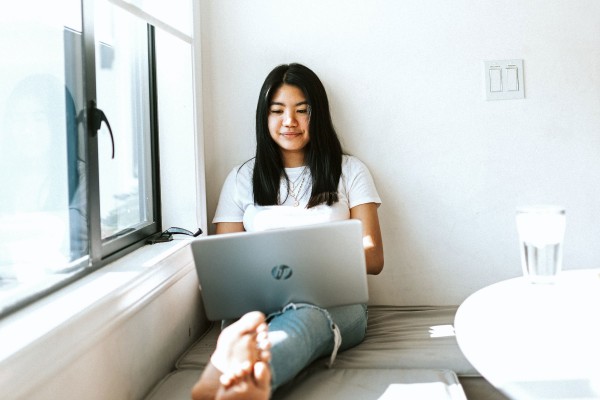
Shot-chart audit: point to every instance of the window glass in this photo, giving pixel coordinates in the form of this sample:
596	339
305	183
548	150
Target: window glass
122	88
43	222
62	214
174	77
174	13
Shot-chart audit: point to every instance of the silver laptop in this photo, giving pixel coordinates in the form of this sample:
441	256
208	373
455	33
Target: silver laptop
320	264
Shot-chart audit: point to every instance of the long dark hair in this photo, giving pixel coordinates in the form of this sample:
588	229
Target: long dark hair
323	153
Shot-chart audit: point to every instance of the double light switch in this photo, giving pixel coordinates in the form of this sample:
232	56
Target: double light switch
504	79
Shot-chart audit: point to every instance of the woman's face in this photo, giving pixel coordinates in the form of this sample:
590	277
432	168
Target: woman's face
289	116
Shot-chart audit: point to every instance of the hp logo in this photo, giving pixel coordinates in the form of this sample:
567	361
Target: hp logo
281	272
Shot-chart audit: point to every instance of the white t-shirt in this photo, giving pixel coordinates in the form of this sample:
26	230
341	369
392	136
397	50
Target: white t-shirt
236	203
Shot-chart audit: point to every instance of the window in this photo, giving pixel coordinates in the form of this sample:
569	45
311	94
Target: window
73	197
123	91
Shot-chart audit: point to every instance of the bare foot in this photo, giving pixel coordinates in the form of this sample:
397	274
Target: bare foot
240	345
234	362
256	386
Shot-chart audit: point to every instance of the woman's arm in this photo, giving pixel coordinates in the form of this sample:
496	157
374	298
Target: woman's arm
229	227
372	241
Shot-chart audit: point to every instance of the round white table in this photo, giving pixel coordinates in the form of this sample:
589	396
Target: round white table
536	341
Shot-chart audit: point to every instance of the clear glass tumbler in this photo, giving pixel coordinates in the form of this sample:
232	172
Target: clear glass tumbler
541	235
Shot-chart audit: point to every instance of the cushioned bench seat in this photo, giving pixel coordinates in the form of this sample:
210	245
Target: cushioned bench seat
353	383
397	337
360	383
403	345
408	337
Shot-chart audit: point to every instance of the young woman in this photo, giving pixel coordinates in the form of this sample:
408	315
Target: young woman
300	176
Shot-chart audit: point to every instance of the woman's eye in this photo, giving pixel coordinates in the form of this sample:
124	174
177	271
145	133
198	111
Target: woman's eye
276	111
303	111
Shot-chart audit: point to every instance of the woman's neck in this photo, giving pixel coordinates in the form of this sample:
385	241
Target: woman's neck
293	160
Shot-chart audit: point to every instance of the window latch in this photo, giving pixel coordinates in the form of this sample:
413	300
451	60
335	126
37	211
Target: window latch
95	117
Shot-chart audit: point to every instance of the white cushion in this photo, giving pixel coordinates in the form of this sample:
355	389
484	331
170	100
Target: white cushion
365	384
326	384
397	337
411	338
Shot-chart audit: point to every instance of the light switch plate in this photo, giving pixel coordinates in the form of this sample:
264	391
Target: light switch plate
510	73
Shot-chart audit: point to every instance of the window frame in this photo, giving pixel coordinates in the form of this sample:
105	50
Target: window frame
104	251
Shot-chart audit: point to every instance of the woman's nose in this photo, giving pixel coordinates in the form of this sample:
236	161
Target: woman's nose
289	119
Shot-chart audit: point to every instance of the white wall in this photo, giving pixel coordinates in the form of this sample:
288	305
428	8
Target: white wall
406	84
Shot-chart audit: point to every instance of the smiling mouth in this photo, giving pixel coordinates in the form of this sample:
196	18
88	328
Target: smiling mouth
290	134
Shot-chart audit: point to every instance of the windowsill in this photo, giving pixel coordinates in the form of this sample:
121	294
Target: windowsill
52	331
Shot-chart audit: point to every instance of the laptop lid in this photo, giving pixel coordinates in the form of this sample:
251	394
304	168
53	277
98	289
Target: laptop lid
321	264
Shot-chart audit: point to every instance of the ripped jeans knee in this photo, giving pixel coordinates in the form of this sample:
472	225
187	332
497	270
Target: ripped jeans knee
301	333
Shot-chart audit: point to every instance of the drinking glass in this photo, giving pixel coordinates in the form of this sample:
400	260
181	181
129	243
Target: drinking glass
541	235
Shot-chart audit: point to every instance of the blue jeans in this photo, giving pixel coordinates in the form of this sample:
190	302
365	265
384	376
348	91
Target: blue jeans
302	333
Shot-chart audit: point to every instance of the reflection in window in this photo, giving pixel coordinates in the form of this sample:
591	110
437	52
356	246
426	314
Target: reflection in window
38	132
42	165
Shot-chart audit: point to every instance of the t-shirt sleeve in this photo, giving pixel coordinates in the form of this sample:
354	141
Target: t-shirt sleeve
360	185
230	207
